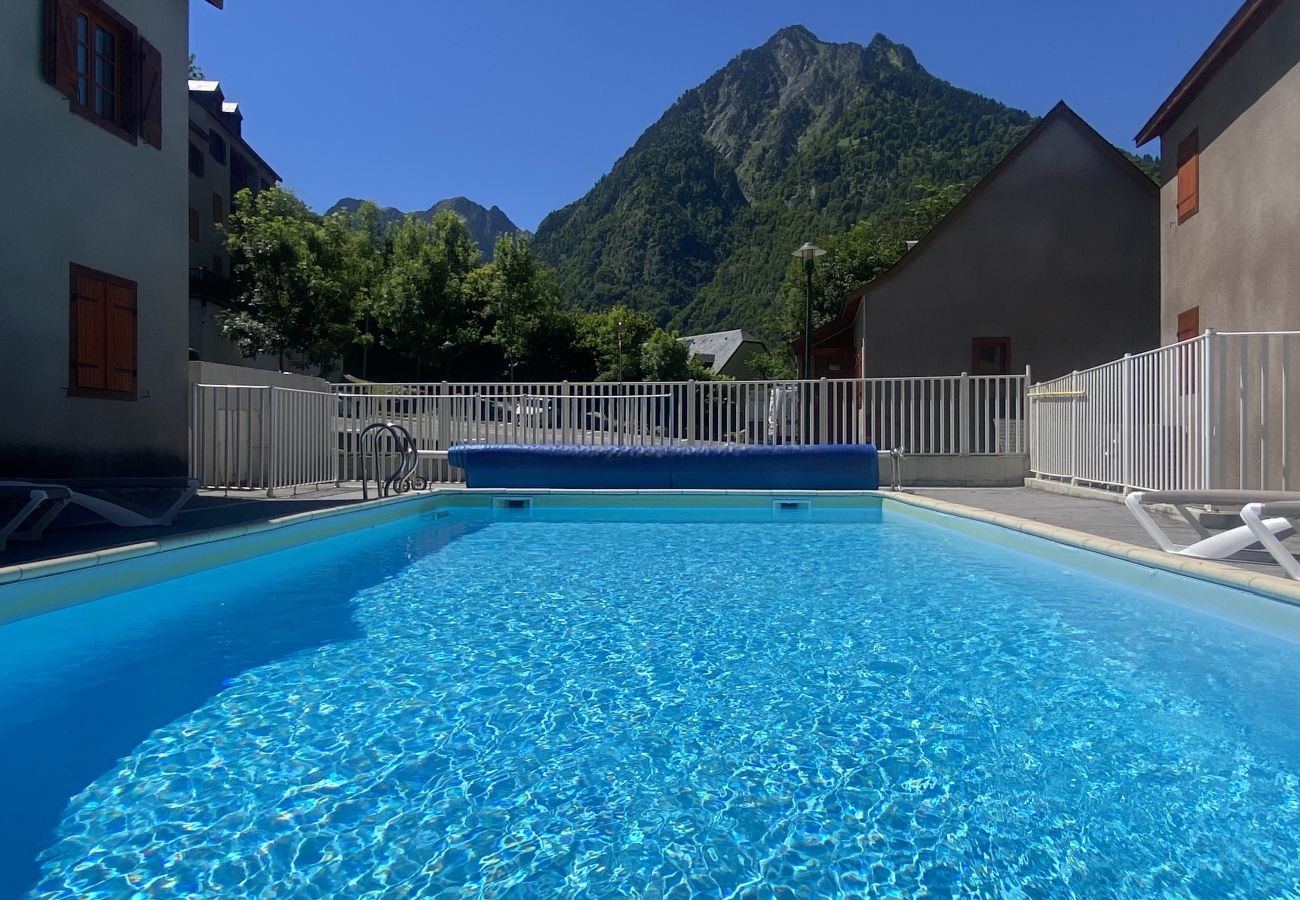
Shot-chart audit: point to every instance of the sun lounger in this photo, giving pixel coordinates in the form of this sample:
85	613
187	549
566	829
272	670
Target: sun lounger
29	509
1210	546
32	520
1254	515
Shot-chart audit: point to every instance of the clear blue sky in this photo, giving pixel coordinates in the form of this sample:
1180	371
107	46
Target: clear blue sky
527	104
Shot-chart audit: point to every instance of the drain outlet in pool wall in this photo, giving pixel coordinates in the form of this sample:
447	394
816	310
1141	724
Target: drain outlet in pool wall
512	506
791	509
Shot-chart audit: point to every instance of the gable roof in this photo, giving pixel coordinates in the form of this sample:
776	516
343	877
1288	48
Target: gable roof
1060	112
1244	23
720	345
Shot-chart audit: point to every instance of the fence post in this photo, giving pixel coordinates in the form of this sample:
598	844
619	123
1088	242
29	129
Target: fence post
964	417
1126	423
823	411
1074	427
1026	414
692	399
269	443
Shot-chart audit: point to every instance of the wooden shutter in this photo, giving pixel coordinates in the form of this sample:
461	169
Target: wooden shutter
89	341
121	338
59	56
1189	176
150	94
102	355
1189	323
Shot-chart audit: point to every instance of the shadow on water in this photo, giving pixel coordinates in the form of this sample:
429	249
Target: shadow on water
81	688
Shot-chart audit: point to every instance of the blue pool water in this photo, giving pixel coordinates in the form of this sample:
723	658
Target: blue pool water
646	708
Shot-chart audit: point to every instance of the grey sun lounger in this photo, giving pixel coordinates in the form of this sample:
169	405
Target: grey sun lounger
32	508
1225	543
31	519
1258	515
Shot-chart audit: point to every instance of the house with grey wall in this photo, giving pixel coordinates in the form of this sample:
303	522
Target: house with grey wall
1051	261
221	163
726	352
95	268
1230	157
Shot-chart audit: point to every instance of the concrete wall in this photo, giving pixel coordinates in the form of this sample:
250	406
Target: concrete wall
1058	252
1238	257
73	192
202	372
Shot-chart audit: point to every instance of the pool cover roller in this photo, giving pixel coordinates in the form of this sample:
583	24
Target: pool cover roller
817	467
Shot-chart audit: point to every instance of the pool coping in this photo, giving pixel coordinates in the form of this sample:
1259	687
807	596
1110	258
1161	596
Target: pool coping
380	511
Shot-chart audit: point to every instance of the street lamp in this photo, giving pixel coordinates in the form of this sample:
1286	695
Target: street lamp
808	252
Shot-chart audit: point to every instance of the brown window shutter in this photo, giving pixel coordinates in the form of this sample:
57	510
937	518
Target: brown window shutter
121	339
89	340
150	94
1189	175
59	59
1189	323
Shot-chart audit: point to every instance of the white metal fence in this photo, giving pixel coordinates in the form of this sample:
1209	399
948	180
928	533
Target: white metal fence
1215	411
262	438
271	438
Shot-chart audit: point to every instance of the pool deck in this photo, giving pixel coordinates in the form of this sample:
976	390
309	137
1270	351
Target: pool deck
217	509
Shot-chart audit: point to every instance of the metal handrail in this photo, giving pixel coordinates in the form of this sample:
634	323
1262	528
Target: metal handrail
400	481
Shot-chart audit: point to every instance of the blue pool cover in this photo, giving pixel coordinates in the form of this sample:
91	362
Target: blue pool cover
825	467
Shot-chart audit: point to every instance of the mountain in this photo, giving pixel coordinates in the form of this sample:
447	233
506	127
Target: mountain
795	140
484	225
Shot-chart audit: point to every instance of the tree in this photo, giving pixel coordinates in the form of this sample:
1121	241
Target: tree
521	298
615	337
196	72
420	303
291	281
665	358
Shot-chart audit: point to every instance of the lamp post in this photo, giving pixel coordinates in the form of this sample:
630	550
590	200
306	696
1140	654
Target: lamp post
808	252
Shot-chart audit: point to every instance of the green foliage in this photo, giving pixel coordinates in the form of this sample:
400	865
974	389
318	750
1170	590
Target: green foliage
520	296
1147	164
665	358
614	338
293	276
196	71
420	304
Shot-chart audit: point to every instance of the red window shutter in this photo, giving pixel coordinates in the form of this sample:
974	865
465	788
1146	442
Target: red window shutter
1189	323
121	338
1189	176
150	94
89	344
59	59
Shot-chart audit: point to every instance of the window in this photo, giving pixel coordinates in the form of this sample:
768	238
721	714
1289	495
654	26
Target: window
990	356
217	146
109	74
1189	176
196	161
102	351
194	224
218	210
218	266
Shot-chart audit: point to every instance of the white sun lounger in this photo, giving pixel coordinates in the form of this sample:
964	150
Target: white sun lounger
1253	514
1210	546
59	496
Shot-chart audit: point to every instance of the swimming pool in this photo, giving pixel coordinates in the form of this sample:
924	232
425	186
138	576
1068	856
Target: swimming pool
648	701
